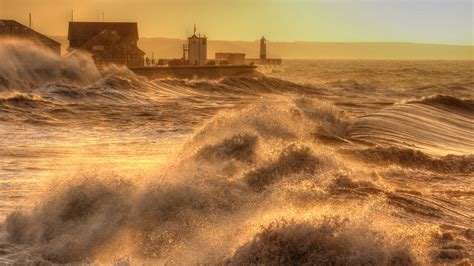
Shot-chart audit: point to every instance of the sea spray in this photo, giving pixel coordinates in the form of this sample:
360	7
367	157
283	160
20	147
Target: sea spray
168	218
331	241
25	64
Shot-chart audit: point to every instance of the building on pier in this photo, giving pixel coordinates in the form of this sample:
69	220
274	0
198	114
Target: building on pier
15	30
107	42
197	49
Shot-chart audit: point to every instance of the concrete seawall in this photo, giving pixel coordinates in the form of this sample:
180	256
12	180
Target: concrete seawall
197	72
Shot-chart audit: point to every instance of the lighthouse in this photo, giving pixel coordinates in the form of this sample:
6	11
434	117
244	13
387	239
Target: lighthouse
263	49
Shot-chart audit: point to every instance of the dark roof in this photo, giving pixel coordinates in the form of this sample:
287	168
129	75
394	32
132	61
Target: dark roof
14	27
197	37
229	53
84	31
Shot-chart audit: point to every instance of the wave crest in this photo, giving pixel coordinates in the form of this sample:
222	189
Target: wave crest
239	147
293	159
447	101
415	159
22	99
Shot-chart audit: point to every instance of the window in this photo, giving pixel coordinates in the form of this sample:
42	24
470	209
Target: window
204	41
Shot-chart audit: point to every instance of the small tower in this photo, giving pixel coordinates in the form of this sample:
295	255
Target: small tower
263	49
197	49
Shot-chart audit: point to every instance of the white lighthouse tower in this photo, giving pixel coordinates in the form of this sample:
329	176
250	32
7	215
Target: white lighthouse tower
263	49
197	49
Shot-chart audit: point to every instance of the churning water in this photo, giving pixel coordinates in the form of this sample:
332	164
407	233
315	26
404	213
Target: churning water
319	162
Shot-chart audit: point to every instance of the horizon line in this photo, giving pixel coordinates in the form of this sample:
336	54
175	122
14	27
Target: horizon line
338	42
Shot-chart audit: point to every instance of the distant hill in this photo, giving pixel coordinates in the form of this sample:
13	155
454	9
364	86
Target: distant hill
172	48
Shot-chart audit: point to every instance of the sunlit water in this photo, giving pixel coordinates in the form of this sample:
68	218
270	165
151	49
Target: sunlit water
320	162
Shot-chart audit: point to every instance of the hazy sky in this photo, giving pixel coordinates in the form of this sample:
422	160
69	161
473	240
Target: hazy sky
423	21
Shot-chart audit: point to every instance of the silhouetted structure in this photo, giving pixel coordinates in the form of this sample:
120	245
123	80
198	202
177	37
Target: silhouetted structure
263	60
15	30
197	49
108	42
196	65
263	49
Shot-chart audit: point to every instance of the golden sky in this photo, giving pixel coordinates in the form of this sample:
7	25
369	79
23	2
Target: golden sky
421	21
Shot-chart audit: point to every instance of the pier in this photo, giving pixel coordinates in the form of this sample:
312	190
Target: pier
197	72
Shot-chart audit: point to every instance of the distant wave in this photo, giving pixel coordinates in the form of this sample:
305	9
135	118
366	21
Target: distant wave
410	158
448	102
20	98
438	124
22	102
353	85
119	88
240	86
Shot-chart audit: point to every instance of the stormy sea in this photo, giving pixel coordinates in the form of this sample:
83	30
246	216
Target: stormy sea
328	162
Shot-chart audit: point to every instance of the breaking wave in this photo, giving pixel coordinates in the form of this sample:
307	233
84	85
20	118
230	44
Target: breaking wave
26	65
196	210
